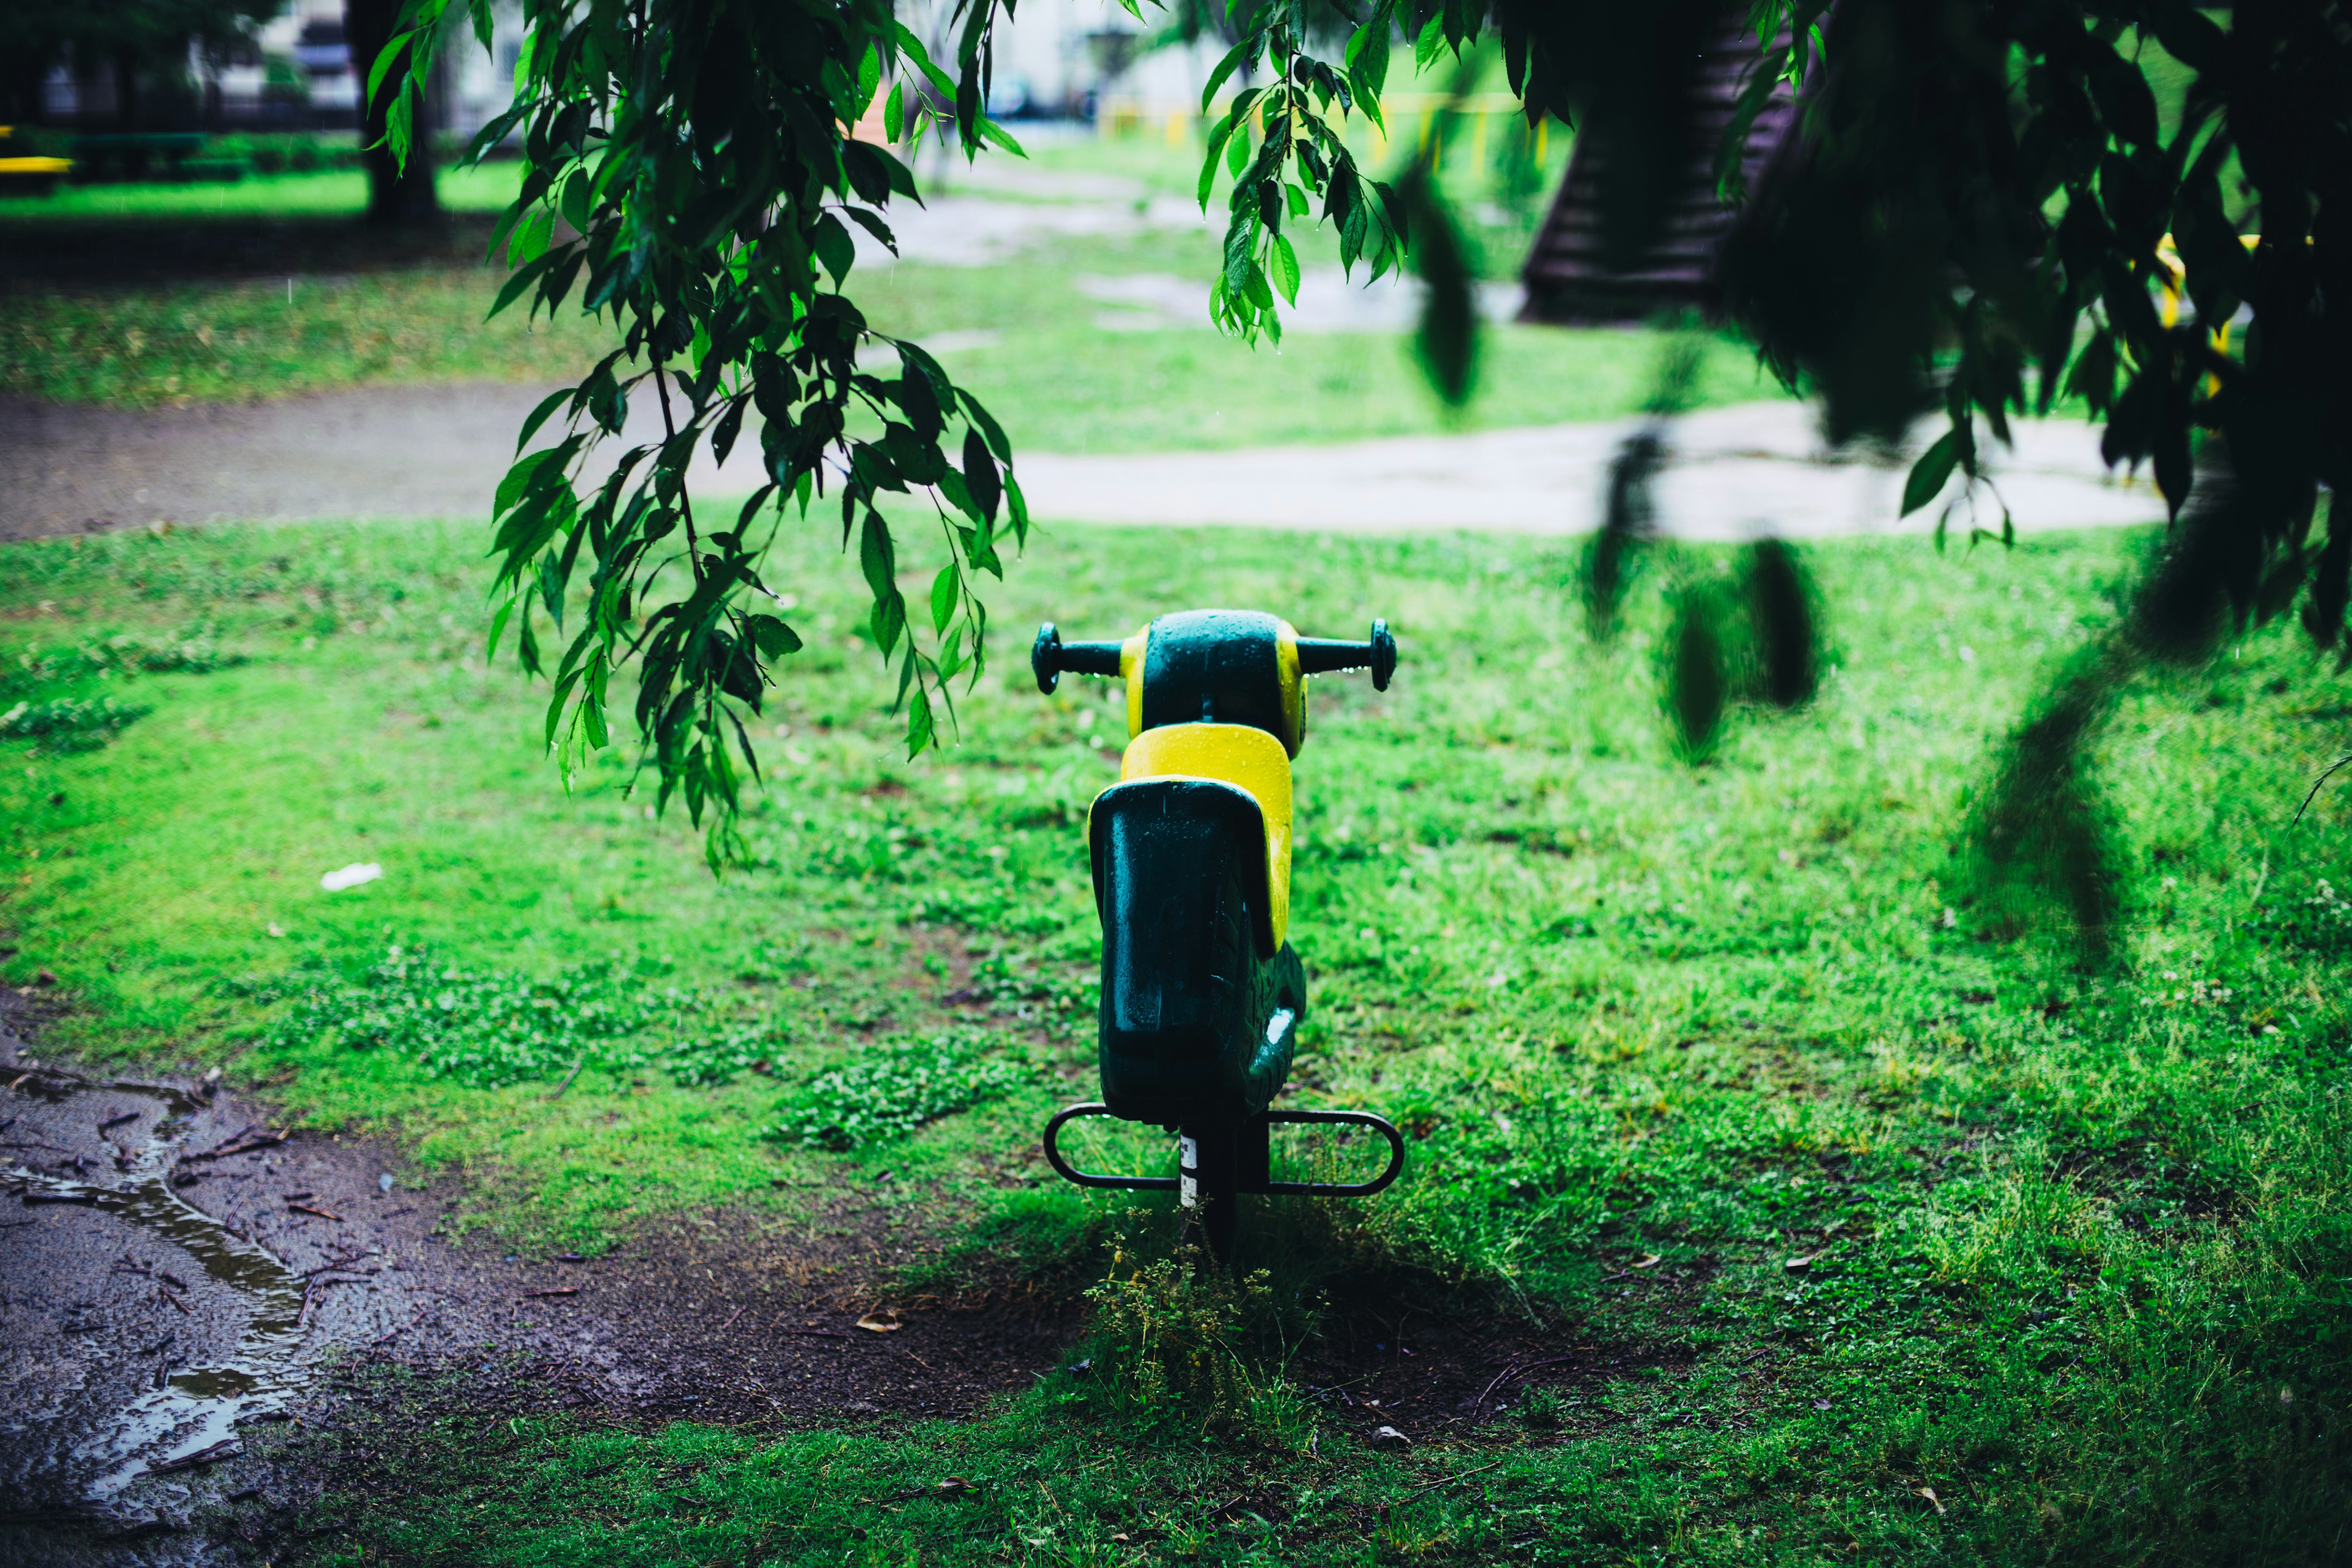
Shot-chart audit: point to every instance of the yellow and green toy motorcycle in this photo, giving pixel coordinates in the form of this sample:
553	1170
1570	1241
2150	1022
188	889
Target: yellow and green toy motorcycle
1202	992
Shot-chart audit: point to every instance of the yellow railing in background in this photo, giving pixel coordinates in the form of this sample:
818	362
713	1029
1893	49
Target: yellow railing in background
2176	284
1176	121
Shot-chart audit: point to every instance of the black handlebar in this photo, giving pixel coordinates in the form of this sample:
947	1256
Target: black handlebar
1050	657
1321	656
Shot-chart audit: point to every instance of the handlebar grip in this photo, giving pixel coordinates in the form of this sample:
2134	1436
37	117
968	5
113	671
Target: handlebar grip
1050	655
1323	656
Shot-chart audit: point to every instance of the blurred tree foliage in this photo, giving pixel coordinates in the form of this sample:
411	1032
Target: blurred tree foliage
140	42
1982	211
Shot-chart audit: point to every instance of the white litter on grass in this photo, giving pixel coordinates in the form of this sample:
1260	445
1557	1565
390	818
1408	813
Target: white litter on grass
351	876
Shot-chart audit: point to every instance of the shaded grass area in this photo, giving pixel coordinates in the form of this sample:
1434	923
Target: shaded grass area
1057	381
1725	1062
252	339
1023	331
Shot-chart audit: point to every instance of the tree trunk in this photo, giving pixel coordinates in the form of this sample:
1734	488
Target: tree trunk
126	91
26	103
395	196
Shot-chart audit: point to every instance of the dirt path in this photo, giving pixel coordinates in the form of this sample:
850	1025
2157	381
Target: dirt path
183	1279
393	452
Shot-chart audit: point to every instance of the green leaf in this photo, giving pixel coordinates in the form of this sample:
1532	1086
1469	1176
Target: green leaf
539	415
894	112
774	638
919	732
1254	285
1368	63
1432	42
1219	135
1931	472
833	247
878	559
988	428
399	122
499	626
1286	269
869	78
951	484
997	136
912	47
980	474
944	598
385	61
1247	50
574	205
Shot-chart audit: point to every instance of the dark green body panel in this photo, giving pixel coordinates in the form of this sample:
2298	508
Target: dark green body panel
1194	988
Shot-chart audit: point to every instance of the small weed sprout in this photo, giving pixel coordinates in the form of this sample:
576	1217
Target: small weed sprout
489	1028
2320	921
70	723
1542	1410
1172	1343
888	1092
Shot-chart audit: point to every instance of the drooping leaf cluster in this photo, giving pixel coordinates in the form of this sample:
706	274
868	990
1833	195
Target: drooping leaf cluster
1987	213
1285	148
691	175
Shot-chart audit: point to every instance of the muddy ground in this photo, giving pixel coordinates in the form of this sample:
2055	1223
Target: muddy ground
197	1304
180	1273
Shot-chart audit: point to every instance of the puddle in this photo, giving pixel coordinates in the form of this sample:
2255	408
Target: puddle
171	1328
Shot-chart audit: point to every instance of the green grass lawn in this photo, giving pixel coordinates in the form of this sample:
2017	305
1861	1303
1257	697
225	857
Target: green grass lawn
2078	1243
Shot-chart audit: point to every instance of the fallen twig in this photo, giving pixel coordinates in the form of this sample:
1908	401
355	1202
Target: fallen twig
226	1449
391	1333
1521	1371
733	1315
1446	1481
311	1295
322	1213
566	1291
240	1146
167	1295
1481	1402
556	1094
114	1121
48	1072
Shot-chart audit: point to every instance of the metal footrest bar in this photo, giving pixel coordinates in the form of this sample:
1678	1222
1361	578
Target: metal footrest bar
1378	1124
1252	1177
1070	1172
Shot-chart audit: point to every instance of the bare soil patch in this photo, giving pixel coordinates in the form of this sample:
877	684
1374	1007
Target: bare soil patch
182	1271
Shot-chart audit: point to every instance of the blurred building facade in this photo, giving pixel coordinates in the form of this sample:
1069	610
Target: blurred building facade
1059	60
297	74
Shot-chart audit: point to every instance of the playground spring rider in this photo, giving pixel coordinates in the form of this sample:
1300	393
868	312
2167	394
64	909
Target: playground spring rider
1202	994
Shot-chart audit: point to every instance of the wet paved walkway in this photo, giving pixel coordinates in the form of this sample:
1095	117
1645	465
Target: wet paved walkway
393	452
